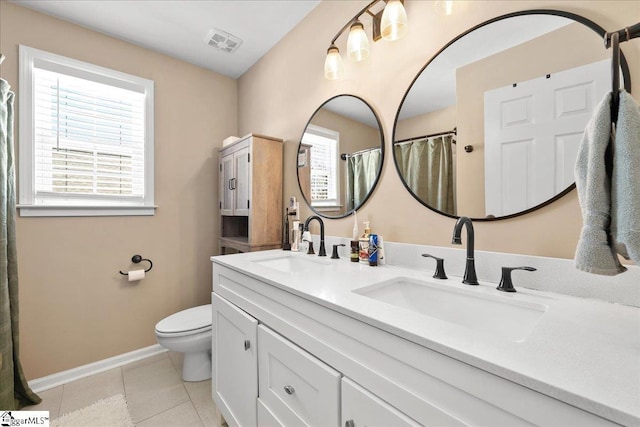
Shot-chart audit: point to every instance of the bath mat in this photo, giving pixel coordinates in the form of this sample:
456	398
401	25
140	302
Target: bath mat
109	412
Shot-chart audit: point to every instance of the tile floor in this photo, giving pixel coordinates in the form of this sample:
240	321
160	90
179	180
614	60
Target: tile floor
154	390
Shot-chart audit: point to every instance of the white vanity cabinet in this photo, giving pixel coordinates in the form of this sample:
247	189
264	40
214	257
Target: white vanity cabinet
234	375
361	408
362	374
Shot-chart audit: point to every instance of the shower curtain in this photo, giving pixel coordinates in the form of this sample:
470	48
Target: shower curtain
427	168
14	390
362	171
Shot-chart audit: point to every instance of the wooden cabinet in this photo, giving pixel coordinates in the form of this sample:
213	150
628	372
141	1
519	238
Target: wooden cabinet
250	192
234	355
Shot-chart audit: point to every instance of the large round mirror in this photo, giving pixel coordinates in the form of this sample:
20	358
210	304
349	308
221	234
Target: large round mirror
490	127
340	156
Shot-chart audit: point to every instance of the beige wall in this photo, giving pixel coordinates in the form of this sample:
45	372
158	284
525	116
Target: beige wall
568	47
437	121
75	308
291	77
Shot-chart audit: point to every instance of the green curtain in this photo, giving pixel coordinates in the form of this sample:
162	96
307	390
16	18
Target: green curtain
14	390
362	171
427	168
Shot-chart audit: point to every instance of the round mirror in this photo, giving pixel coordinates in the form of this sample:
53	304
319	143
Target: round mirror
490	127
340	156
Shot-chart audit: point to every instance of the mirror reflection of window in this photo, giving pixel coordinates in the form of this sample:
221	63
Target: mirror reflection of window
324	157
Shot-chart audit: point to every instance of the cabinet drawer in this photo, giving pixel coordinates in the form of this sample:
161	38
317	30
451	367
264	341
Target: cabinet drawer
361	408
266	417
296	387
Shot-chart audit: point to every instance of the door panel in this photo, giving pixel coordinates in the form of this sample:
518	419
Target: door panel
234	363
550	114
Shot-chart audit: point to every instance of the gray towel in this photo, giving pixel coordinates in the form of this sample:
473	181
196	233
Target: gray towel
595	252
625	181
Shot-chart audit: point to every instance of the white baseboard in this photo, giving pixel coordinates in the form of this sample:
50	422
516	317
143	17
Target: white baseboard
54	380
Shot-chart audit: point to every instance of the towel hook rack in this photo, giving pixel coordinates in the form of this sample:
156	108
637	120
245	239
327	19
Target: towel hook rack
136	259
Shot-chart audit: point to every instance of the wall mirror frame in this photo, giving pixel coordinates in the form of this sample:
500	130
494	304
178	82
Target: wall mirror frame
403	127
340	156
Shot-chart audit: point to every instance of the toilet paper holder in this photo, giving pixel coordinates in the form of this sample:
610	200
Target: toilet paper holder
136	259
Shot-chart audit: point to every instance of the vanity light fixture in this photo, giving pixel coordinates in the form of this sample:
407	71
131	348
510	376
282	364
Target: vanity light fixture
389	24
357	43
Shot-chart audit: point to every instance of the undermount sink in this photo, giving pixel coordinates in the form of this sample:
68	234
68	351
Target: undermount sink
498	316
290	264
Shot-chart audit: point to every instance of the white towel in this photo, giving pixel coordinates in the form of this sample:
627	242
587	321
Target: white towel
625	181
595	252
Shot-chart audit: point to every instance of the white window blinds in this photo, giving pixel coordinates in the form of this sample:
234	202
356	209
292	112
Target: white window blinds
324	165
86	137
89	137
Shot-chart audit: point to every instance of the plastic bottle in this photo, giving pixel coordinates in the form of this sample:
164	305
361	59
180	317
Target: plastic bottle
355	244
364	244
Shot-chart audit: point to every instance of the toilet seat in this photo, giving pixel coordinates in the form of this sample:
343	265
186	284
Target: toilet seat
186	322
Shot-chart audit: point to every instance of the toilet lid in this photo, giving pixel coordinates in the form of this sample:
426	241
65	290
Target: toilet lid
190	319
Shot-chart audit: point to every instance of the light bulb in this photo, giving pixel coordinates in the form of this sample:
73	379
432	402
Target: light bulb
357	43
394	21
443	7
333	66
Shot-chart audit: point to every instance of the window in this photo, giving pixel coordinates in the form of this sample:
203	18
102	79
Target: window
86	139
325	144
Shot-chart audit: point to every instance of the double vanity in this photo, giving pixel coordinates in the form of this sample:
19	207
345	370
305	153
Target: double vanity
307	340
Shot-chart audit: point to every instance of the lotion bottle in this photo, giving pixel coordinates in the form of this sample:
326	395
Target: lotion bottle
364	244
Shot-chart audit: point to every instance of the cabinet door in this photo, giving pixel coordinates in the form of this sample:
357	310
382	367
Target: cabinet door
226	185
361	408
234	363
242	182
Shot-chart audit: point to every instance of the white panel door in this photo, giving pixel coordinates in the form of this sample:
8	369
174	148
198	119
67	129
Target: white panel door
234	363
532	133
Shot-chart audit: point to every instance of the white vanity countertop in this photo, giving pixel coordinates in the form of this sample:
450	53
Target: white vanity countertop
584	352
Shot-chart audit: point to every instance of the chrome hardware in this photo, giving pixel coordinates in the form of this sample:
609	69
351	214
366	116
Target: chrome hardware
247	345
349	423
289	389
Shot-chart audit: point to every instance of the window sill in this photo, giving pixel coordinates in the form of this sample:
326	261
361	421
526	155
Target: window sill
49	210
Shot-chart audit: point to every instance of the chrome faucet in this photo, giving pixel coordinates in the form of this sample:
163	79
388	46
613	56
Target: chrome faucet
321	251
470	268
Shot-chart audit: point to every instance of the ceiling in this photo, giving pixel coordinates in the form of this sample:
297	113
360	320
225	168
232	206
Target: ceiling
178	27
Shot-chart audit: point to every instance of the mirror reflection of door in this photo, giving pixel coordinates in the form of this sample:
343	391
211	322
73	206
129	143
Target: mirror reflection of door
340	156
532	133
449	94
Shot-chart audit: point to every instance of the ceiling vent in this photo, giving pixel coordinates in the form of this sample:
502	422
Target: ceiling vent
222	40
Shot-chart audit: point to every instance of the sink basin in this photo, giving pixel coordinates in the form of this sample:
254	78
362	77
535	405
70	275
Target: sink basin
290	264
498	316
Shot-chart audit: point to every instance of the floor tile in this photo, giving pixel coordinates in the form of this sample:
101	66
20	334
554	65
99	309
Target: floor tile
200	395
183	415
51	400
176	359
83	392
153	388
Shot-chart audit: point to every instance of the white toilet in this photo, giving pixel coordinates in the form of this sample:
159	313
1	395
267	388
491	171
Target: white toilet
189	332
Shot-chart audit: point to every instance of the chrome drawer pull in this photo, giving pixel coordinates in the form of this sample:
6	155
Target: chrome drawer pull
247	345
290	390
